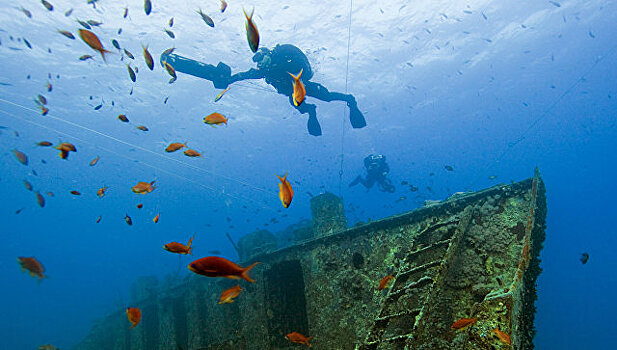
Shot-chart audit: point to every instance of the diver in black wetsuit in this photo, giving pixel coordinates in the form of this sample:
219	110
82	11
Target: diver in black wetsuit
376	171
273	66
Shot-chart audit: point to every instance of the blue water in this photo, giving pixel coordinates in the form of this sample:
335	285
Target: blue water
487	88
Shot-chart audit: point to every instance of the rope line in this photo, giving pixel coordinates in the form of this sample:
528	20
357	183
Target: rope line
240	198
340	173
140	148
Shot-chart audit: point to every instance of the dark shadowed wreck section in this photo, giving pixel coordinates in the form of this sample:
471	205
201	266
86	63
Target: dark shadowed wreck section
473	255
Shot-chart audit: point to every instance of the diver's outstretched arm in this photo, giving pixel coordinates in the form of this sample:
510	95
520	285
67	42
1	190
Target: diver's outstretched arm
319	92
249	74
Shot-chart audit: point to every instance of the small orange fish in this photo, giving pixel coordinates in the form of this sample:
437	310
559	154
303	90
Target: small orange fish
175	146
66	146
179	248
98	219
44	144
299	90
228	295
252	35
101	191
296	337
28	185
40	200
76	193
214	266
93	41
215	119
142	128
156	218
134	316
220	95
44	110
94	161
21	157
192	153
123	118
286	193
139	206
504	337
143	187
463	323
148	57
33	266
385	281
51	194
223	6
171	71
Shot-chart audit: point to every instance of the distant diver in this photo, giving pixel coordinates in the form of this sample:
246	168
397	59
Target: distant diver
584	258
376	171
274	66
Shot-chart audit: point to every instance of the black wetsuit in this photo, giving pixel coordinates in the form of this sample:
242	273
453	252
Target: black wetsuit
282	60
376	171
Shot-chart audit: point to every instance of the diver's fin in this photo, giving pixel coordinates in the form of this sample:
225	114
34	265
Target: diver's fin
313	126
355	117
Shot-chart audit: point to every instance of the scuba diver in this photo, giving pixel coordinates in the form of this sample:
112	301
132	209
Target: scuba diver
376	171
274	66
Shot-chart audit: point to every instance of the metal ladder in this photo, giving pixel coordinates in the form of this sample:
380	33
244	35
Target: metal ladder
404	302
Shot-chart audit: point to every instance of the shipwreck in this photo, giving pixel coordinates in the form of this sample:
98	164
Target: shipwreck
473	255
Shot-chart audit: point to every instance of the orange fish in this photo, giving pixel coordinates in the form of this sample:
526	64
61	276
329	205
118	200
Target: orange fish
214	266
504	337
156	218
44	143
139	206
228	295
44	110
51	194
384	282
143	187
175	146
296	337
123	118
286	193
148	57
215	119
463	323
101	191
98	219
21	157
134	315
252	35
93	41
142	128
34	267
94	161
192	153
175	247
223	6
76	193
66	146
299	90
